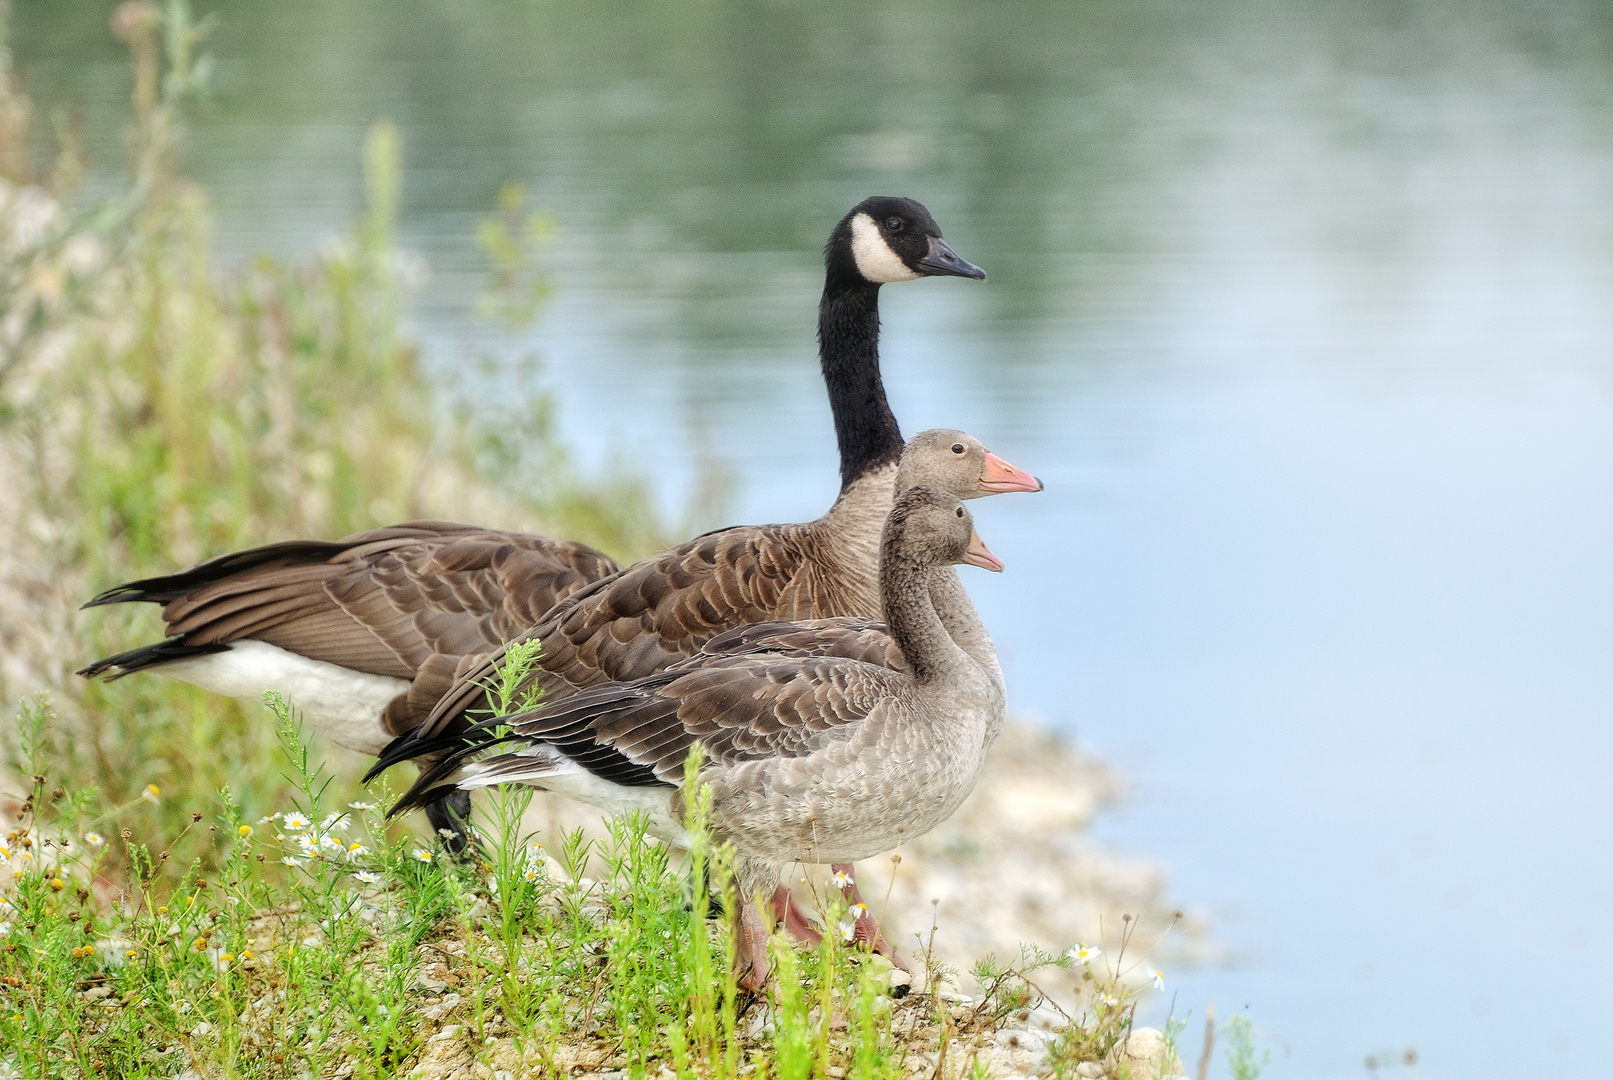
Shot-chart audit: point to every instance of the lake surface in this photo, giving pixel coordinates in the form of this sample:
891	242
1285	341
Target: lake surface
1303	310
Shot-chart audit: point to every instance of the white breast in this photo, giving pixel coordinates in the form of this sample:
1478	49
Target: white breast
340	704
875	259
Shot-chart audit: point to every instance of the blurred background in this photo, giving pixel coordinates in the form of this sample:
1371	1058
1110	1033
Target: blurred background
1304	312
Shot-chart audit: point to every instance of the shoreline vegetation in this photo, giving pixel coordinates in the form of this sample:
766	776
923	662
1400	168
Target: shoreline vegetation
188	889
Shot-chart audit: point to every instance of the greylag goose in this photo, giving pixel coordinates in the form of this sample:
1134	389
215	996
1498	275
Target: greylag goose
826	741
364	634
665	609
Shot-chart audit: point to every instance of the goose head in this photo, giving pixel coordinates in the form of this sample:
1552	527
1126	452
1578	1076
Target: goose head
886	238
930	527
959	463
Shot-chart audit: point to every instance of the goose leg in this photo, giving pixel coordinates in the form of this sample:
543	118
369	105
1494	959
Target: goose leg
750	948
866	931
450	818
791	918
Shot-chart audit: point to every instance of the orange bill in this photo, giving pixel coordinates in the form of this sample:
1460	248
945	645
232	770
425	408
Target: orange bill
998	475
980	555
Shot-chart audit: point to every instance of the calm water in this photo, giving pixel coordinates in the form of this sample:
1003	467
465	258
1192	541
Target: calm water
1303	310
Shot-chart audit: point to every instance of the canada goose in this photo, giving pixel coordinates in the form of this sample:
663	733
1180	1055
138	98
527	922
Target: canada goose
826	741
365	633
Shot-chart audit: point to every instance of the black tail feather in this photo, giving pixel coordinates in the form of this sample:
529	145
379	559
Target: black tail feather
162	590
124	663
408	747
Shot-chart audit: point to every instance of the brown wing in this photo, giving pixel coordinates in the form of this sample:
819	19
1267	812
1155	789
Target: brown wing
389	601
659	611
849	638
741	708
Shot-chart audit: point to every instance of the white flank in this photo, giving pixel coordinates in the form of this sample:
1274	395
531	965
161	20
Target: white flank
875	259
552	772
341	704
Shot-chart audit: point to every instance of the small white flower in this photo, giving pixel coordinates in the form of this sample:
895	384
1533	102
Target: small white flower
290	860
332	842
5	852
422	854
296	821
843	880
1108	999
337	822
366	877
364	807
357	850
308	844
1084	953
182	1008
4	903
5	928
447	834
856	911
1159	979
848	930
152	794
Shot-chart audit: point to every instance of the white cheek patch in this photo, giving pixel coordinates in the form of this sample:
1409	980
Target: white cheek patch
875	259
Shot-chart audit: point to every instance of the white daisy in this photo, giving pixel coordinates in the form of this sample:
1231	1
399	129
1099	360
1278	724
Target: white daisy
1084	953
422	854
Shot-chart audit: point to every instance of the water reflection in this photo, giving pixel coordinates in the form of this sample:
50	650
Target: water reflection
1302	309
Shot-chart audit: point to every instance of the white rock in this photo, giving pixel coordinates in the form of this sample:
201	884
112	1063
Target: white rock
447	1005
1146	1051
1024	1039
1047	1018
449	1032
1089	1070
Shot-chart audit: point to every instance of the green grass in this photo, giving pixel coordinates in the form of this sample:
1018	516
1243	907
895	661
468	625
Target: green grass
318	940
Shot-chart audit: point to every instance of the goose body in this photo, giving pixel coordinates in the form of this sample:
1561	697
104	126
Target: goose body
362	634
668	608
826	741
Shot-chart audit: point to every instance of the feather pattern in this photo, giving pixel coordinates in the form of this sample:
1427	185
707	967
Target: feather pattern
825	739
407	602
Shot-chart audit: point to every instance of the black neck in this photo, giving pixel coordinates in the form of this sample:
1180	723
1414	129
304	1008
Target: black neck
848	344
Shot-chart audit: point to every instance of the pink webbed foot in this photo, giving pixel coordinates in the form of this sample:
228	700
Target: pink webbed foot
750	948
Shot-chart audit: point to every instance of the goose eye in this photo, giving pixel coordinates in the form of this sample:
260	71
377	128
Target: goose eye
960	511
893	224
957	448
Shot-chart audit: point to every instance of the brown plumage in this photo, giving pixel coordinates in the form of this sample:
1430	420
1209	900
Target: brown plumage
406	602
666	608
